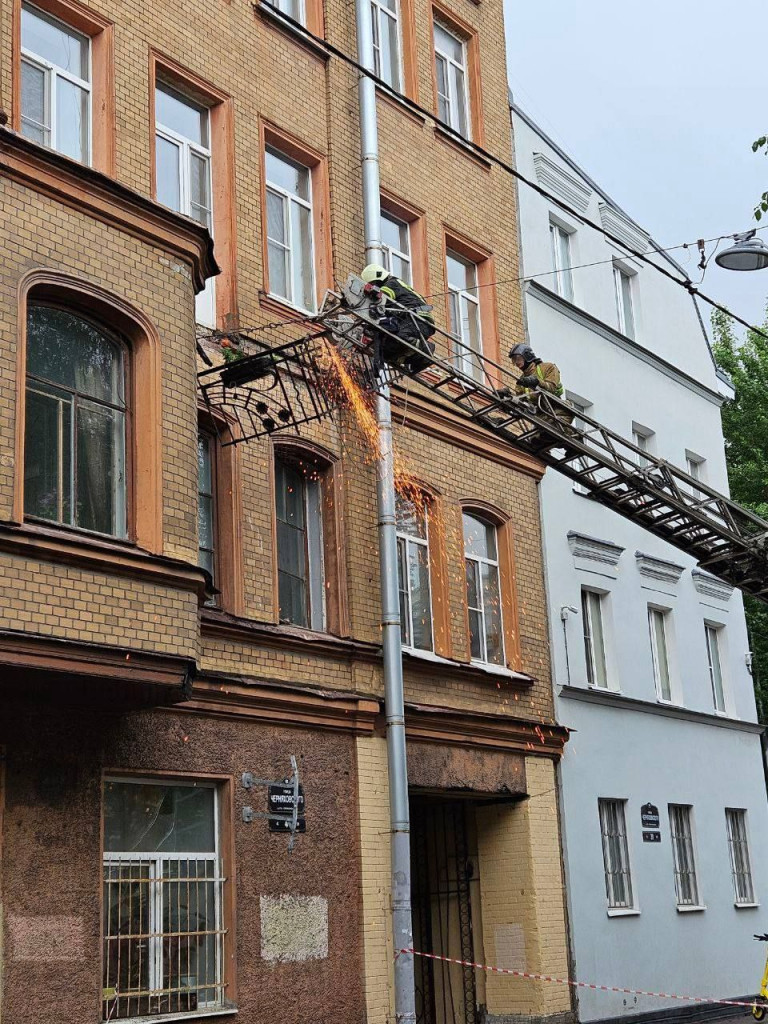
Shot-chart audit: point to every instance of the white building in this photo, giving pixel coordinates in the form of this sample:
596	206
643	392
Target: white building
650	655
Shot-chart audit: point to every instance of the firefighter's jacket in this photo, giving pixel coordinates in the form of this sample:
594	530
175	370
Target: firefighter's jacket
406	297
549	379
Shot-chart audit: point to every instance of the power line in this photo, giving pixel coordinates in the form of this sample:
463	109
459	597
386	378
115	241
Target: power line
685	282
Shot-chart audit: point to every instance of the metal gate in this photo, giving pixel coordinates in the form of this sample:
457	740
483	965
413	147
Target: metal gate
443	860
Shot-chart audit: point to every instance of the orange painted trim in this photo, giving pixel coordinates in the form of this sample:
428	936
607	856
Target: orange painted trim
145	512
486	278
221	108
469	34
317	162
409	50
101	33
496	732
439	577
416	221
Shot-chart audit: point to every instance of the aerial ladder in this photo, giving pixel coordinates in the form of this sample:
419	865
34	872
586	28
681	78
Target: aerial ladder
266	388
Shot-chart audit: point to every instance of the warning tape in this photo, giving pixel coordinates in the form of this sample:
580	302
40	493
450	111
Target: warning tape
576	984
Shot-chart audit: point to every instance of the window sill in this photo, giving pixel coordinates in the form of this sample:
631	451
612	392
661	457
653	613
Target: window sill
458	142
691	910
746	906
605	689
623	912
299	33
189	1015
468	666
281	306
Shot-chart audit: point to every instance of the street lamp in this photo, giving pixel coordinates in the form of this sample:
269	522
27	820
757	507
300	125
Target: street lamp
749	253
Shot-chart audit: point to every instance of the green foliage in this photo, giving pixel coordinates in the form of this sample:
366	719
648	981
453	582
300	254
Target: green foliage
762	206
745	425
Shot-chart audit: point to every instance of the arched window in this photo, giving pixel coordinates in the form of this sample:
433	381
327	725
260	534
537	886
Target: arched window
413	574
76	422
481	562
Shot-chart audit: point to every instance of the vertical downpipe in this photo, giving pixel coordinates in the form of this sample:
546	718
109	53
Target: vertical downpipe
402	929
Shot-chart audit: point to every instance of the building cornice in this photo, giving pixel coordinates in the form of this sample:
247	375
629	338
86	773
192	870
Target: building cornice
659	569
618	700
711	586
91	192
591	323
476	729
555	178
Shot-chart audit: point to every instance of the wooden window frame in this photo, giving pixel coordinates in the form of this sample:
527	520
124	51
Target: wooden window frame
453	23
228	548
505	545
317	163
101	33
222	145
486	279
144	513
417	236
334	545
226	807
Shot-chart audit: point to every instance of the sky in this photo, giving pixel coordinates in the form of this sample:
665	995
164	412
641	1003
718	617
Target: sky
659	101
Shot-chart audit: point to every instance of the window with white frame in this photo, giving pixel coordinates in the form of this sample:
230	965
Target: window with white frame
300	557
618	876
464	314
738	849
581	406
413	574
694	465
289	230
206	503
293	8
163	926
681	833
712	635
562	279
396	246
183	171
386	41
624	301
594	638
55	84
657	627
643	439
481	563
451	72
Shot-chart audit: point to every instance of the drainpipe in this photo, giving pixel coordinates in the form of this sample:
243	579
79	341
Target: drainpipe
394	705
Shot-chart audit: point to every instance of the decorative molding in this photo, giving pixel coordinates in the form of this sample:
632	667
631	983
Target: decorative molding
594	555
96	195
552	176
619	225
591	323
476	729
711	586
658	569
610	698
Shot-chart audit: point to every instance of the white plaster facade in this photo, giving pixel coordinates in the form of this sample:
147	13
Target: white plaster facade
629	744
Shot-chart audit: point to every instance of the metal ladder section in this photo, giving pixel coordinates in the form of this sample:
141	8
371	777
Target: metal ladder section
727	540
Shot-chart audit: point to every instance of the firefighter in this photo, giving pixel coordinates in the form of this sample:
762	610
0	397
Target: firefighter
406	314
535	373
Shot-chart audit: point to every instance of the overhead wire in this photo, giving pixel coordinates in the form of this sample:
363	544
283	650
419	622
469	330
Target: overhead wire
484	154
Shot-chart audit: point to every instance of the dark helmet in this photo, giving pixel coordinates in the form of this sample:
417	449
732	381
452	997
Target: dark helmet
524	351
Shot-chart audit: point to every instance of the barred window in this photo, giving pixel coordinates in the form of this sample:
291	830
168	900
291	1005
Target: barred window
738	848
163	899
680	828
618	878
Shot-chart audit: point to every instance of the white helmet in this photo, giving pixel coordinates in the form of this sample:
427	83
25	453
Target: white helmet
374	273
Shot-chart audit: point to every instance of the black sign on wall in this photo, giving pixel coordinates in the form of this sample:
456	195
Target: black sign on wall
281	801
651	837
649	814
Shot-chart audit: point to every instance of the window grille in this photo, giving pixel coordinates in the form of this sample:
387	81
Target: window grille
618	879
686	886
738	848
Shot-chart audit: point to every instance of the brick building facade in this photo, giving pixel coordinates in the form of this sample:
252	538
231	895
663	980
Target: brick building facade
130	885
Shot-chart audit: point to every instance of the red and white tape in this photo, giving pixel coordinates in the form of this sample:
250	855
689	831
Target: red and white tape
575	984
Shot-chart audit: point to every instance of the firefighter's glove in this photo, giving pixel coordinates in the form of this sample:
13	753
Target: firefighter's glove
528	382
373	292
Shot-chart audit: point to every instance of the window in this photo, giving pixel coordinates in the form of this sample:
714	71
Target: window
581	406
299	508
206	504
163	899
464	314
624	305
715	668
451	73
618	879
293	8
75	440
561	261
738	848
657	625
694	465
386	41
289	230
183	171
396	241
594	638
481	562
413	575
55	84
680	830
643	439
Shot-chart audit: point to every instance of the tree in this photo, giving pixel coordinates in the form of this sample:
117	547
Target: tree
745	426
762	206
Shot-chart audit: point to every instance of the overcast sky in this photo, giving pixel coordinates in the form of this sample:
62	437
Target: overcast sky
659	102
